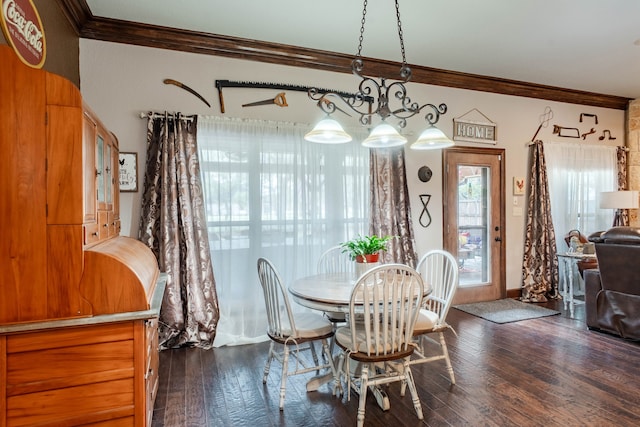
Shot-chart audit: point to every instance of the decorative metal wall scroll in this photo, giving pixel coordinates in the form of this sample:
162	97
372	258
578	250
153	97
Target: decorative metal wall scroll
425	216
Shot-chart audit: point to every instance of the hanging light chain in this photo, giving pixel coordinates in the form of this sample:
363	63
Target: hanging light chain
374	97
404	59
364	13
400	33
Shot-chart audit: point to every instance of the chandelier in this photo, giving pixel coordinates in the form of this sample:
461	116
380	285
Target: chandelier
373	98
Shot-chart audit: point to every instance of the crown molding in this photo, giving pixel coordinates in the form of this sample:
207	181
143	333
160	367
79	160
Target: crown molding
118	31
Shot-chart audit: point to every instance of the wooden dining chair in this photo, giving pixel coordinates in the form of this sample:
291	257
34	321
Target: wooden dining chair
292	330
333	260
439	269
383	309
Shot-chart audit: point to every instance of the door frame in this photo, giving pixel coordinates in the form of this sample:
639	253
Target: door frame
502	285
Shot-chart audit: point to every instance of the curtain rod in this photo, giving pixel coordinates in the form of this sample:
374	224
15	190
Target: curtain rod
152	115
529	144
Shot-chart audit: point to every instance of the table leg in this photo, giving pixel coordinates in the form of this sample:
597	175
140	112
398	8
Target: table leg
565	280
571	264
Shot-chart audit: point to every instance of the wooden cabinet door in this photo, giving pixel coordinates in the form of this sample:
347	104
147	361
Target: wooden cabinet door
89	160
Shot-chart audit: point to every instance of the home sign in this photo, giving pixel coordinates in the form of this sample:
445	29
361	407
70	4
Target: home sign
474	127
23	30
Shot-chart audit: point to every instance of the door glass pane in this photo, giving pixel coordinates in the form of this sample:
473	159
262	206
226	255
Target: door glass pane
473	224
108	178
100	168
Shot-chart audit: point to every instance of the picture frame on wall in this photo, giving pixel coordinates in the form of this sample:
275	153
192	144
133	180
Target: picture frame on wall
518	186
128	175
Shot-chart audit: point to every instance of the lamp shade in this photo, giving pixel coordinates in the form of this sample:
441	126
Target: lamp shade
328	131
619	200
384	136
432	138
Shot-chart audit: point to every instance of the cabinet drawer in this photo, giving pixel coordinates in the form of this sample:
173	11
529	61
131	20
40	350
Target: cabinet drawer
103	224
91	233
112	225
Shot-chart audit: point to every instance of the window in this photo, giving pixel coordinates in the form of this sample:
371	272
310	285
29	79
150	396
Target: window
578	173
269	193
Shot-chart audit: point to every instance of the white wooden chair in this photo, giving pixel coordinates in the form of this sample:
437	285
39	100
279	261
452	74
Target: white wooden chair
289	329
385	302
333	260
439	269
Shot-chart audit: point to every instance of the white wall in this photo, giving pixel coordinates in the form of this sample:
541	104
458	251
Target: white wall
120	81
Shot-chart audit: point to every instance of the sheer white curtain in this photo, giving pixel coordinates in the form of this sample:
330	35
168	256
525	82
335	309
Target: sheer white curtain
269	193
578	173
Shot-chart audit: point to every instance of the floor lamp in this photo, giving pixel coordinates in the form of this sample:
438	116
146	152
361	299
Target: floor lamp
619	200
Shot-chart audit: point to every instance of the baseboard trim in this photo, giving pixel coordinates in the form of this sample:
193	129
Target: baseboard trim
514	293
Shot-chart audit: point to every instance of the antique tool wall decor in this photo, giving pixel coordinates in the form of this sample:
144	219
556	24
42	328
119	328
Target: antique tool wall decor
220	84
425	216
605	133
574	132
279	100
544	121
566	132
187	88
424	174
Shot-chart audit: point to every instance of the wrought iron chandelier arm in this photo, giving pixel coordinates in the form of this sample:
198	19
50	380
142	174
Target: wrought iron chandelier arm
432	117
328	103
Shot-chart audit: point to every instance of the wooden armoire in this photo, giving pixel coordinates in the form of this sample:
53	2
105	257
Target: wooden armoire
79	303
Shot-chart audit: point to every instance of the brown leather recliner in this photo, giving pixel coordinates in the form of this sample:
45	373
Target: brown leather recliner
612	292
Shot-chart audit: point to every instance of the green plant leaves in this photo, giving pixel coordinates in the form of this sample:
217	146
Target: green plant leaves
365	245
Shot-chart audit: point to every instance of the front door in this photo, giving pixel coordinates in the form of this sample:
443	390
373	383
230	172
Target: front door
474	221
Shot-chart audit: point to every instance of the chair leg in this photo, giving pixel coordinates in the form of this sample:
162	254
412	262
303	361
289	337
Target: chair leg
337	386
342	372
364	377
412	389
315	356
285	371
403	383
267	366
445	352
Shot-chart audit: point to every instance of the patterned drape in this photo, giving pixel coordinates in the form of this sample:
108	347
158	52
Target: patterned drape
540	264
622	215
390	209
173	225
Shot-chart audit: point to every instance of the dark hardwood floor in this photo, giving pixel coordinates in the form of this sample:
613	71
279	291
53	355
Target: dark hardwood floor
550	371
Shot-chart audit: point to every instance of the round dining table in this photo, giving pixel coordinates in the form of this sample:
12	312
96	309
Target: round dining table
328	292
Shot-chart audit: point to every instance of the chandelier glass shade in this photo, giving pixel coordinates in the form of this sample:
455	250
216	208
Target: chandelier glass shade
432	138
388	101
383	136
328	131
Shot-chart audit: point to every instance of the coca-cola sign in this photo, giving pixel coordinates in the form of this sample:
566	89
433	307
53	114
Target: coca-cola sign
23	29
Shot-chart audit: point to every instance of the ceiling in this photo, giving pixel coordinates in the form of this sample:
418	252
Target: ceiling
582	45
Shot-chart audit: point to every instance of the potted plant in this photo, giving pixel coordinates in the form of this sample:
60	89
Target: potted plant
365	249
